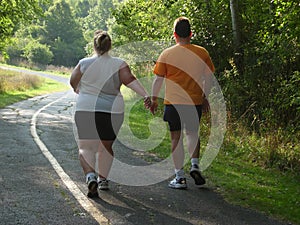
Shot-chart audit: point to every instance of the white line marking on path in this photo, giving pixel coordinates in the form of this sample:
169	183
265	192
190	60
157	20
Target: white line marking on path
80	197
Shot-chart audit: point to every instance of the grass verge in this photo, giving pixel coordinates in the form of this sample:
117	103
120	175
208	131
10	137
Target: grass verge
15	87
267	190
233	174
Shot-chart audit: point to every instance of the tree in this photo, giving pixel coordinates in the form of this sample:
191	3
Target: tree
63	34
97	18
36	52
254	45
12	15
236	30
139	20
81	8
26	38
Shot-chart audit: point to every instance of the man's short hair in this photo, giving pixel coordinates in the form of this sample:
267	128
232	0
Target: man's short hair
182	27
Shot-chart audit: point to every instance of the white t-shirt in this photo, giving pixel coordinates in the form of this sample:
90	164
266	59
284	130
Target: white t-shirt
99	87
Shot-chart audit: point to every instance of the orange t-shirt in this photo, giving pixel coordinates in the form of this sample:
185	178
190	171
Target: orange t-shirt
184	68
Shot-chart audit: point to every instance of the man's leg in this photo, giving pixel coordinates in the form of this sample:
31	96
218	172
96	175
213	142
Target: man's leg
177	149
193	145
179	181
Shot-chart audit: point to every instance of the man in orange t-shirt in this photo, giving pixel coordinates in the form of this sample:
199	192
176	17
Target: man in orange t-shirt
186	70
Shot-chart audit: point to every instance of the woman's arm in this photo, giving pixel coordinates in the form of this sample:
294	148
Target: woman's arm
75	78
128	79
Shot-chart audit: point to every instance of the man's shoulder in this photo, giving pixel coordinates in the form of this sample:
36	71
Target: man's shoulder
199	48
171	50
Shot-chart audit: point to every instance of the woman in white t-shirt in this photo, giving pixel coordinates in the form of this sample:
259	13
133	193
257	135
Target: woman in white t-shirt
100	108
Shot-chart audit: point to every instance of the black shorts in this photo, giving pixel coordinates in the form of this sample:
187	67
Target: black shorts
183	116
98	125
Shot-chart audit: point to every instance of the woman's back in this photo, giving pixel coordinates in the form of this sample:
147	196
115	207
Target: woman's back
100	75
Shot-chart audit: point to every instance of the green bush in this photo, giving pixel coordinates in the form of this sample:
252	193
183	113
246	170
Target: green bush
287	101
38	53
15	50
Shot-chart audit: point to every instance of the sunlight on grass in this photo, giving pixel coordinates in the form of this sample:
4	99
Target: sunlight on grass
16	86
141	130
267	190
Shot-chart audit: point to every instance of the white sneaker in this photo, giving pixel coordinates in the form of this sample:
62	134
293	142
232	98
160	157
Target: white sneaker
178	183
103	184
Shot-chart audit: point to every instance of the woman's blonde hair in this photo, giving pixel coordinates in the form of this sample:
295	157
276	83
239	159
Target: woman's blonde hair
102	42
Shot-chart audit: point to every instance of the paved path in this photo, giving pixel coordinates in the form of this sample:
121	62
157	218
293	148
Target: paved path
41	181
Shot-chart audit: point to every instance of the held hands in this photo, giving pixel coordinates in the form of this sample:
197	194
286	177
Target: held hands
147	102
151	105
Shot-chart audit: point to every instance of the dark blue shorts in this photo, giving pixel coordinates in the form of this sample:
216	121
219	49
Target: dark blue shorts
98	125
183	116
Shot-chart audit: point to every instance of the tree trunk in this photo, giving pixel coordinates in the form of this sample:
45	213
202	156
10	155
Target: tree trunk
237	40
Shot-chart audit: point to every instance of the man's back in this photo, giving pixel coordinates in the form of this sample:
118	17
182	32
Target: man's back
184	66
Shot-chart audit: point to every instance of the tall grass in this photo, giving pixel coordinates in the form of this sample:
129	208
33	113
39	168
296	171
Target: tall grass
12	81
278	149
16	86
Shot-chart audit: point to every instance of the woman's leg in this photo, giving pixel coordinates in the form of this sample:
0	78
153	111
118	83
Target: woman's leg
87	158
87	154
105	158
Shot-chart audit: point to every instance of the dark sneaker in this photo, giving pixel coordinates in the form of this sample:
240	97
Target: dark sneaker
103	185
92	186
178	183
196	175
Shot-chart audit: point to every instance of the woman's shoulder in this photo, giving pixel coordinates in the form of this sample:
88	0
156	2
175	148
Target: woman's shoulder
117	59
88	59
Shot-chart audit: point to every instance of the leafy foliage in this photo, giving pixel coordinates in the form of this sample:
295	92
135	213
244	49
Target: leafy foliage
259	91
13	13
263	91
64	36
39	53
141	20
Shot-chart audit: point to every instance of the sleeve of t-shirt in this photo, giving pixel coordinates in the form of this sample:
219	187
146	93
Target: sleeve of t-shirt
160	68
83	65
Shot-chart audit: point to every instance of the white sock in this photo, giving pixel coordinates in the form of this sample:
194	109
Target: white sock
101	179
88	175
179	173
195	161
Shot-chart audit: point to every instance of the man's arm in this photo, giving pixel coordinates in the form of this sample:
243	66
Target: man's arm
207	86
156	86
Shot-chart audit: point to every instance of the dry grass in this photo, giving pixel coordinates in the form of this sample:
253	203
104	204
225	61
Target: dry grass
12	81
